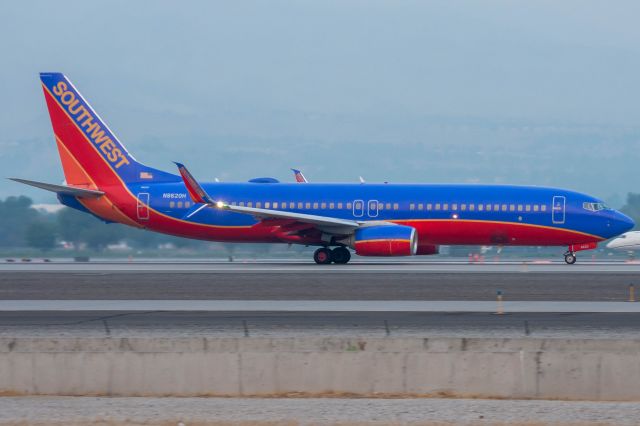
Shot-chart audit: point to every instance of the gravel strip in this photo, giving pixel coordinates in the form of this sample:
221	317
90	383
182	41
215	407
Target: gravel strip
71	411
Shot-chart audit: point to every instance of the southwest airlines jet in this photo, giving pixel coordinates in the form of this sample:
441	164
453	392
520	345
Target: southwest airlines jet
102	178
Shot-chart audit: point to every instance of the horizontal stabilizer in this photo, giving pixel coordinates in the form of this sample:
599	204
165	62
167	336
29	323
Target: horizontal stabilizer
62	189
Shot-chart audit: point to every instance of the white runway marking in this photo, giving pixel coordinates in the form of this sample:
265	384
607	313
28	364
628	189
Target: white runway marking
315	306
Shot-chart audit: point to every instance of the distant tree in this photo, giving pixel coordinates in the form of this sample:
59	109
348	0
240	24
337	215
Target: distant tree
632	208
17	214
41	235
79	227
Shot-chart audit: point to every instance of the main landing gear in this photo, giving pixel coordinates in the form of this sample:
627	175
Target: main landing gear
570	257
339	255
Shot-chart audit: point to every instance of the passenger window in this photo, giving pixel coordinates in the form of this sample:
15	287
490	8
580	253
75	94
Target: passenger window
323	205
504	207
437	206
395	206
349	205
536	208
259	205
241	203
307	205
488	207
266	205
445	206
463	207
412	206
179	204
249	204
512	207
420	206
315	205
454	207
275	204
380	206
472	207
187	204
543	207
172	204
520	207
429	206
299	206
339	205
496	208
480	207
527	207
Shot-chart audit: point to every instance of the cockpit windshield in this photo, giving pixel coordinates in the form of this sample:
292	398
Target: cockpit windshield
594	207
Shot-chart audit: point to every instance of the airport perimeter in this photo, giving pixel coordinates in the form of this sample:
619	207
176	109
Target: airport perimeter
558	338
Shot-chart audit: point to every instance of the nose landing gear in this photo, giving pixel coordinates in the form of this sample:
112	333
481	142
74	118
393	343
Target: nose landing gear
570	257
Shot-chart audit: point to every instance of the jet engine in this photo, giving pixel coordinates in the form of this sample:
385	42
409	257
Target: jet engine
385	240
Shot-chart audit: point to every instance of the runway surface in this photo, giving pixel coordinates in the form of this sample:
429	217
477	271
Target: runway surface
565	285
281	306
404	265
288	324
200	298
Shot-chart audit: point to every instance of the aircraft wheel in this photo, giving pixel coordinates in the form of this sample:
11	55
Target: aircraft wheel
570	258
340	255
322	256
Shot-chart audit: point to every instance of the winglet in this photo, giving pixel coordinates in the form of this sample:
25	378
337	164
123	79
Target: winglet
197	193
299	176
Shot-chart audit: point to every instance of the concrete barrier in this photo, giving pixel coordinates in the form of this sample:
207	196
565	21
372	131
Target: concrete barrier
484	368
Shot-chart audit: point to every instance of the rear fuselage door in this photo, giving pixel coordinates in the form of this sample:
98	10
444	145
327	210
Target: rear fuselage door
142	206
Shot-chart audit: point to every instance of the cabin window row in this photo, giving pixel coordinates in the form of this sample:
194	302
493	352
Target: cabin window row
179	204
308	205
479	207
384	206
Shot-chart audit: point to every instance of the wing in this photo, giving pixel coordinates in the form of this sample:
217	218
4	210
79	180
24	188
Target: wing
62	189
327	224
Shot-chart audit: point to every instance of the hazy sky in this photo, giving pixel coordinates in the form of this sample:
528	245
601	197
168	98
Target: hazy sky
537	92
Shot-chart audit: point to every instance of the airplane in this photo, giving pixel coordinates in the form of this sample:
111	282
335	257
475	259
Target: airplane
629	241
102	178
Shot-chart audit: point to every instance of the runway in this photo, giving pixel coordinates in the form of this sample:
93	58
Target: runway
284	306
357	266
567	284
293	324
203	298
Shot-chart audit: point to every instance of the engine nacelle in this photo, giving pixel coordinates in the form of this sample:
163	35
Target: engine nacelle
385	240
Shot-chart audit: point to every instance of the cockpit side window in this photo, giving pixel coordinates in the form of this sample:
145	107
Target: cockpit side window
594	206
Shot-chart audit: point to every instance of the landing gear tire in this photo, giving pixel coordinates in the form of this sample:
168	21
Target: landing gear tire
340	255
322	256
570	258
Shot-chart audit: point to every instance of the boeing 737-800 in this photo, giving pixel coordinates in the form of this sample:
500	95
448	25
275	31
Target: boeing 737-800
102	178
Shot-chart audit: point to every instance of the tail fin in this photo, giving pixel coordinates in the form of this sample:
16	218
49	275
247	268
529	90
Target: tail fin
91	154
